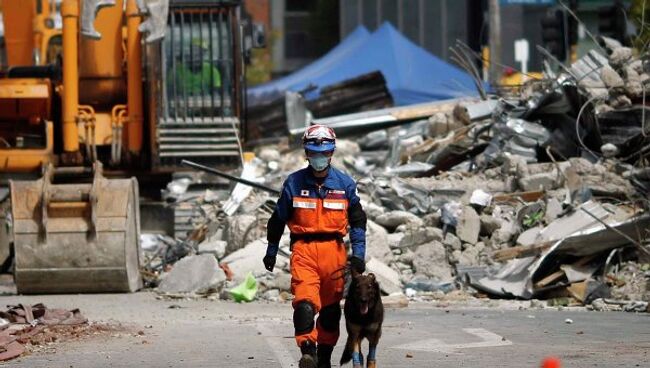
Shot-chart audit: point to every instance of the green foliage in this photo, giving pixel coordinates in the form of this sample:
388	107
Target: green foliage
261	66
533	219
259	70
640	16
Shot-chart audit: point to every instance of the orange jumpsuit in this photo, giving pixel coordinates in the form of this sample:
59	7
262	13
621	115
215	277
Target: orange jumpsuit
318	266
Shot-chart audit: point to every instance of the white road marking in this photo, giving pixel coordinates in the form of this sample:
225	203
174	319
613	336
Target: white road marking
488	339
280	350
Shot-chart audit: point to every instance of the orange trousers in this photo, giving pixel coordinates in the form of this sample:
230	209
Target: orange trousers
318	277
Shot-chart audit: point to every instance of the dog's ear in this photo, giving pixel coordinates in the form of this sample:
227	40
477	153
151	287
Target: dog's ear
374	282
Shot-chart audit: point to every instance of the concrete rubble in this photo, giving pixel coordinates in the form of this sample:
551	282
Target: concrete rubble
197	274
513	197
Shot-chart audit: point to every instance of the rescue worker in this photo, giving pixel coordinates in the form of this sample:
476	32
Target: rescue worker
198	75
319	203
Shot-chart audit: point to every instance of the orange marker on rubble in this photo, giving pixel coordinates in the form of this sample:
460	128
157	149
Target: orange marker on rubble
551	362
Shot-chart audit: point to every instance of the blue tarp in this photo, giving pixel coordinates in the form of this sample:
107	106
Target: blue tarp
413	75
311	72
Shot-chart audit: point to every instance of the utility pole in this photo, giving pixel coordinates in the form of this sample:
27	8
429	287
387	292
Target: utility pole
494	14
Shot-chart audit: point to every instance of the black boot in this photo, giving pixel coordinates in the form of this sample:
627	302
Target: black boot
324	353
308	360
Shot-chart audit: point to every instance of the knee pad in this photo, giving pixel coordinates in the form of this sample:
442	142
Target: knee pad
330	316
303	318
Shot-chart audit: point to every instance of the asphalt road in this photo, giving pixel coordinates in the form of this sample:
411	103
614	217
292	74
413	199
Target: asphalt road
204	333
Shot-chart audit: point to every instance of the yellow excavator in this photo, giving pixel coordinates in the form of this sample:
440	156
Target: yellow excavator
115	87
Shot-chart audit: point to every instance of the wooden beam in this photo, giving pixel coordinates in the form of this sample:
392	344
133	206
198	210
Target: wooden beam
520	251
559	273
531	196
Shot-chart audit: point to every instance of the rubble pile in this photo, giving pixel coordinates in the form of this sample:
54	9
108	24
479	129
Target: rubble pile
268	118
541	195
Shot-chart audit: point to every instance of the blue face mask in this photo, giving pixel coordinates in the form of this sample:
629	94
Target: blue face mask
319	162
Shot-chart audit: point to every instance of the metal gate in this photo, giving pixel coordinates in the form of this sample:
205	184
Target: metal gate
199	115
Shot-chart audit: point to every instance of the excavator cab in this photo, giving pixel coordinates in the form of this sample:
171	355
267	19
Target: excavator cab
200	96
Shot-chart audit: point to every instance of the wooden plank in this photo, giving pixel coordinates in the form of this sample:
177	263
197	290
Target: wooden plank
559	273
531	196
520	251
578	290
549	279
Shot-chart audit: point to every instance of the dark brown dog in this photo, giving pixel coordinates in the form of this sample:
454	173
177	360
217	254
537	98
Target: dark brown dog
364	315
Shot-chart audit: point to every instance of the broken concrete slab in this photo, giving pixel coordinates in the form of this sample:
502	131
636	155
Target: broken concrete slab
480	198
553	210
529	236
249	259
540	181
470	256
373	210
432	219
272	295
599	179
452	242
414	236
197	274
401	266
454	257
214	247
236	231
280	281
469	225
633	86
620	56
611	78
394	240
489	224
393	219
431	261
408	256
377	243
505	234
388	278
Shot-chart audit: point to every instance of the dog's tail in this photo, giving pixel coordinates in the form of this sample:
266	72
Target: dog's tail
347	352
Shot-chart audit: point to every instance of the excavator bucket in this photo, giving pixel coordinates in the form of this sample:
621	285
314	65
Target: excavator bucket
72	237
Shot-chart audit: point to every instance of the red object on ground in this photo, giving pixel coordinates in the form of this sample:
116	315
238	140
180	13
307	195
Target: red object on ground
551	363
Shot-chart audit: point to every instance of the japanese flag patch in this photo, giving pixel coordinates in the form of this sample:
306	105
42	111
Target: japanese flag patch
304	193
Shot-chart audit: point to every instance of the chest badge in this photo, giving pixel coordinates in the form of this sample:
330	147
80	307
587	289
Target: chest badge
304	193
